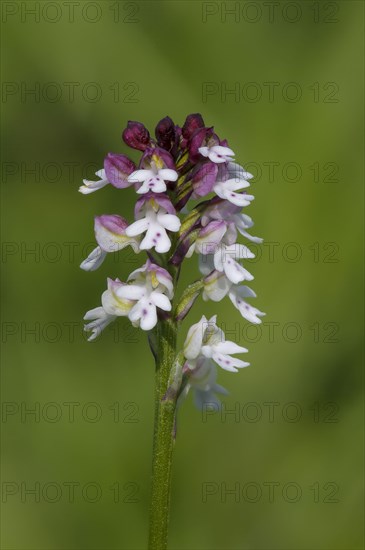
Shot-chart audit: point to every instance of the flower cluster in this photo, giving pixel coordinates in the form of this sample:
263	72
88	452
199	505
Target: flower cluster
178	168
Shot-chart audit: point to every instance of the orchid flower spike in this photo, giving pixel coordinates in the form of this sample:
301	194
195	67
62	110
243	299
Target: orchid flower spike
177	165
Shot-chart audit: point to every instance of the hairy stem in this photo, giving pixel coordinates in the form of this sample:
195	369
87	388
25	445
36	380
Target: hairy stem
163	441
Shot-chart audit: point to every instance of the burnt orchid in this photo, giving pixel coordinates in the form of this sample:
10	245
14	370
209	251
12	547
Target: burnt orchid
189	198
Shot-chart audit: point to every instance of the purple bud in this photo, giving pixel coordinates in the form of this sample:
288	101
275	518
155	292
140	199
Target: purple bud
117	169
166	133
136	135
191	124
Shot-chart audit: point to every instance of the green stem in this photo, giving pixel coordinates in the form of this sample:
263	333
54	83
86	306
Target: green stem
163	441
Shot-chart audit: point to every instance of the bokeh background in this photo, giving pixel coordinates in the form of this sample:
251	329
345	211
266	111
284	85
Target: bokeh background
292	451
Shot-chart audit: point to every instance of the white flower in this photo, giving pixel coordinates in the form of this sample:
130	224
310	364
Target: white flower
217	286
237	171
236	295
226	190
206	339
112	307
111	236
202	381
217	153
91	186
156	215
152	289
99	320
225	258
153	178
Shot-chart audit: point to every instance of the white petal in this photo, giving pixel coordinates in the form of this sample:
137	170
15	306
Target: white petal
168	174
94	260
228	363
239	251
214	157
140	175
156	237
136	228
96	313
155	184
257	240
194	339
161	301
149	318
204	151
169	221
221	150
131	292
229	348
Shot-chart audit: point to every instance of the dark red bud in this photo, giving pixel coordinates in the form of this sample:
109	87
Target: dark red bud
192	123
136	135
166	133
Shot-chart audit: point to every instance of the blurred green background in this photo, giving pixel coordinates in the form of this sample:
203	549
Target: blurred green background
296	121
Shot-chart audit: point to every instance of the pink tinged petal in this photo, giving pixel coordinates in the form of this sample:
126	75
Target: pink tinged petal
229	348
152	200
160	300
137	228
194	339
94	260
210	237
165	279
118	168
168	174
169	221
204	179
110	233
